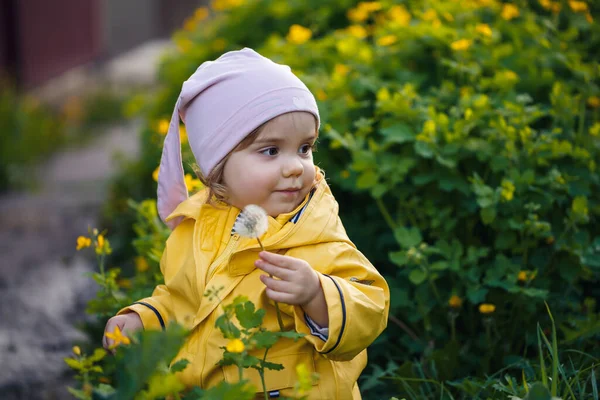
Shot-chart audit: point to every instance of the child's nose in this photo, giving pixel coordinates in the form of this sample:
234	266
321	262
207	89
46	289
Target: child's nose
292	167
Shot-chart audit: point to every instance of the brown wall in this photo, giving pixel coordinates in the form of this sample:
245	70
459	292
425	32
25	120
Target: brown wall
55	36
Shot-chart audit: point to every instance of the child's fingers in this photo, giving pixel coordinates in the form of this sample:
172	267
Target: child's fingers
280	297
279	260
276	284
274	270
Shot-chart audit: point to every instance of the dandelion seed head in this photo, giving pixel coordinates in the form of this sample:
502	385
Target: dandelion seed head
252	222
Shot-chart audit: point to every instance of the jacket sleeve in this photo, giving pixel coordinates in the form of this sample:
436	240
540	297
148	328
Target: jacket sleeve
357	299
177	298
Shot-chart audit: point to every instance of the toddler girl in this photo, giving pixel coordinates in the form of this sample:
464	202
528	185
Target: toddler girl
252	125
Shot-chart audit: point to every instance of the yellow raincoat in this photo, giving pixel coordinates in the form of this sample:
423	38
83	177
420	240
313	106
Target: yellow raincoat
201	254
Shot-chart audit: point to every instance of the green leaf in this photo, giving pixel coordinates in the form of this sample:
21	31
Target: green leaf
379	190
179	365
398	133
366	180
476	296
242	390
439	266
248	316
73	363
273	366
227	327
488	215
399	258
162	385
265	339
538	392
78	394
290	335
98	355
423	149
408	237
417	276
103	391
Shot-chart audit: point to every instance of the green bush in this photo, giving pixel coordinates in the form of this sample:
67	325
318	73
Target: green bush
474	127
30	132
468	135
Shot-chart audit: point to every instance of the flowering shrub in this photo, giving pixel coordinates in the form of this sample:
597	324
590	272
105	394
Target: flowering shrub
468	134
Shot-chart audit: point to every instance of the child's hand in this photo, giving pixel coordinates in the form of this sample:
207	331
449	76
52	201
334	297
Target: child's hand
126	322
298	283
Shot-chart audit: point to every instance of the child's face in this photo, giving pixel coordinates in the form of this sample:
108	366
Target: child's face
276	171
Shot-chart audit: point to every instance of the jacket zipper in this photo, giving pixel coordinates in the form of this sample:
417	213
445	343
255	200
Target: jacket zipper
223	256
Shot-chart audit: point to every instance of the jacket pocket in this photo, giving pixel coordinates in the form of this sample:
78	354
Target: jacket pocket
274	380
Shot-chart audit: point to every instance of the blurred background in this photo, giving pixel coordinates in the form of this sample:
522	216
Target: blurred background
67	68
460	138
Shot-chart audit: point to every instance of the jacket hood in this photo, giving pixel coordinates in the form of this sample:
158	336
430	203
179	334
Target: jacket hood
319	221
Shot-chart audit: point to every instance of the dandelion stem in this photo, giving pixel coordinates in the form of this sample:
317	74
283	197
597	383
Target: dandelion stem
279	319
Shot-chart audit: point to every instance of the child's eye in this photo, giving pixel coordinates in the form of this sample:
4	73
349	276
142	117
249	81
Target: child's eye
306	148
271	151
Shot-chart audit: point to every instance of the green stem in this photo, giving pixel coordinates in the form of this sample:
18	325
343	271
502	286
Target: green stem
386	215
261	372
453	326
279	319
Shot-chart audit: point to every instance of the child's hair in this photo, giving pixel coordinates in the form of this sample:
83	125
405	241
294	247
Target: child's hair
217	191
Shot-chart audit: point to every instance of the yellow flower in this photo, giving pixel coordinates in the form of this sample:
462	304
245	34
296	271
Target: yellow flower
547	4
455	301
192	183
399	15
235	346
298	34
487	308
163	126
468	114
357	31
76	350
189	24
578	6
460	45
484	29
589	17
595	129
370	6
430	15
201	14
124	283
580	205
345	174
141	264
155	174
594	102
511	75
117	337
220	5
509	11
83	242
341	70
183	134
387	40
357	14
100	242
383	94
508	190
219	44
321	95
522	277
